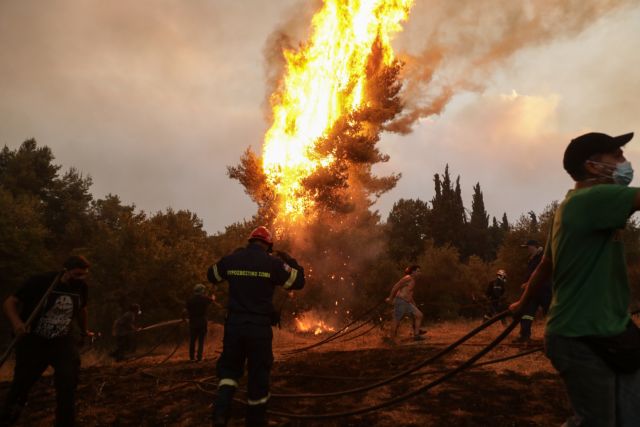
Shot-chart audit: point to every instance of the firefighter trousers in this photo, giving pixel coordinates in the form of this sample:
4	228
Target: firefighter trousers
248	343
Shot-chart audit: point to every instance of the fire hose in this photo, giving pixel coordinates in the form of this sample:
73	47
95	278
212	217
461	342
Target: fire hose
408	371
163	339
398	399
339	332
417	374
161	325
373	326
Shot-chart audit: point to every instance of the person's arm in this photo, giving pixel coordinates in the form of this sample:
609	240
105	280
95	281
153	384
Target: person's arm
401	284
217	272
10	309
289	274
83	320
539	277
212	298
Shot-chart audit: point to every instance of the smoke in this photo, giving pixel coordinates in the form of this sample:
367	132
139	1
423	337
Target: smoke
448	47
465	41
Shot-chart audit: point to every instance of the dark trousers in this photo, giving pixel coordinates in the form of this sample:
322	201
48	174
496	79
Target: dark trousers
251	344
33	355
124	344
196	334
542	300
497	306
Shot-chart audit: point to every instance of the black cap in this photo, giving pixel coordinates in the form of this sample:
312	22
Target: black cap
583	147
530	242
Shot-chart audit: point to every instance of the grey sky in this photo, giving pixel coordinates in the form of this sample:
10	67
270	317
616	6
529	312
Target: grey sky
154	99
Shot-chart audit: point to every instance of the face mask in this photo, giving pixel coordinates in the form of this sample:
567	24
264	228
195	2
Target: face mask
623	174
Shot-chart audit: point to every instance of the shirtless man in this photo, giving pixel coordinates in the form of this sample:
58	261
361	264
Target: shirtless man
404	304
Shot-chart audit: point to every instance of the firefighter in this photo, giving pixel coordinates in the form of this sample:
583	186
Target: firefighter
495	293
252	274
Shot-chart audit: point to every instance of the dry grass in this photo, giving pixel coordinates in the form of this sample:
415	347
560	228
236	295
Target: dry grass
117	394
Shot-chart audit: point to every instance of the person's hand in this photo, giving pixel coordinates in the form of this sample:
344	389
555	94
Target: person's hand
20	329
515	308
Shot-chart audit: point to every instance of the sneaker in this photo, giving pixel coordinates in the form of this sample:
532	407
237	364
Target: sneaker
422	332
522	340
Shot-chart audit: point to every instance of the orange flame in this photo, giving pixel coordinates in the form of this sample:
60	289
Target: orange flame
310	322
324	81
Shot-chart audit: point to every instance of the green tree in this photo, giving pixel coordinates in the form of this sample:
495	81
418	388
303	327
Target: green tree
407	229
447	220
478	236
22	236
28	170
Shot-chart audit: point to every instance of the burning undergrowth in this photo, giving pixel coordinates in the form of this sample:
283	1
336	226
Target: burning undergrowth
313	322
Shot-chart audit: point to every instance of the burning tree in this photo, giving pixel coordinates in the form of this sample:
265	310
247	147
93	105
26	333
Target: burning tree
314	182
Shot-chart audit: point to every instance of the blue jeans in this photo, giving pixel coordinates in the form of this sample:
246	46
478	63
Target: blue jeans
599	397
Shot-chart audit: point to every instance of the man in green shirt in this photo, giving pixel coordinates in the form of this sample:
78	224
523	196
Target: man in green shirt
584	256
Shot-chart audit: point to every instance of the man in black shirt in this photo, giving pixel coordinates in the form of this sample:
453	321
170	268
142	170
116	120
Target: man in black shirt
48	340
196	310
252	274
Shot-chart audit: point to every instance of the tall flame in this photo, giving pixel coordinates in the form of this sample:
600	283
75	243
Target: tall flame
324	80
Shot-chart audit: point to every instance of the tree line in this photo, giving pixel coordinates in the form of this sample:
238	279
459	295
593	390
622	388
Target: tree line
156	259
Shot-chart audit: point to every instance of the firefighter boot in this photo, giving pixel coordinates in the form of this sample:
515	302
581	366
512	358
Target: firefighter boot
222	409
256	416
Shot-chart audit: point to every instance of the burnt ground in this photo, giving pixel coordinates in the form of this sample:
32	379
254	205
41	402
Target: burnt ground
145	392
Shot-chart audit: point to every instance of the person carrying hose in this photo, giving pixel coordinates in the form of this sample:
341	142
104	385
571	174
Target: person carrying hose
404	305
58	301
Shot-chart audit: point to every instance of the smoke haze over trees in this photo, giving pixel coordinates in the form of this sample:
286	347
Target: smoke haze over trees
155	259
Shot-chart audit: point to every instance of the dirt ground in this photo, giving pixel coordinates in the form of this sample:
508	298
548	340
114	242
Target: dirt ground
146	392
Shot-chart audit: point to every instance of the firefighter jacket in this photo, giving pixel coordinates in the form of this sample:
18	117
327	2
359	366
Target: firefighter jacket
253	274
495	290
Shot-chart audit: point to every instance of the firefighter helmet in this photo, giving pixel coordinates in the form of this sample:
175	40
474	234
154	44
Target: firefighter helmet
502	274
261	233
